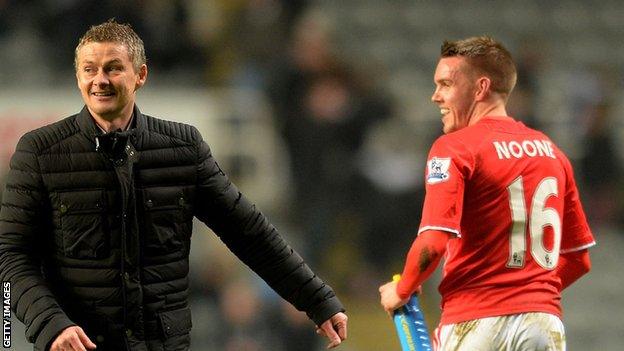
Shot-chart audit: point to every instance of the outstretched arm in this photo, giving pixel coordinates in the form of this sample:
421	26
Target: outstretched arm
250	236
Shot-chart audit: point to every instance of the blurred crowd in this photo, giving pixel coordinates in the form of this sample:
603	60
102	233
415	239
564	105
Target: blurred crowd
355	152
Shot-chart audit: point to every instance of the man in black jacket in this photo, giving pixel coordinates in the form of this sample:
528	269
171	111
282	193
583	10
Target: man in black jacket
96	219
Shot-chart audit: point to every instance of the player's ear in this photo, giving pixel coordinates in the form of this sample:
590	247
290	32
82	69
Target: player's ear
483	88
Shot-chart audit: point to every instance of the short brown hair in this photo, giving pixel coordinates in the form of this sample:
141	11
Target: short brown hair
488	57
113	32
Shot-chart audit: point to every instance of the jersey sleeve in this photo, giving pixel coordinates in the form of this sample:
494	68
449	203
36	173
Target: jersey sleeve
576	234
448	165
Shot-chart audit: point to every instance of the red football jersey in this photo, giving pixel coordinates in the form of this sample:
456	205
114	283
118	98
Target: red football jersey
509	195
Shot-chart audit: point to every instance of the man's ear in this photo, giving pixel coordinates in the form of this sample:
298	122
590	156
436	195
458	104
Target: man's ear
483	88
141	77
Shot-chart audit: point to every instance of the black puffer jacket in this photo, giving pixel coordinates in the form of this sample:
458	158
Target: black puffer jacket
100	238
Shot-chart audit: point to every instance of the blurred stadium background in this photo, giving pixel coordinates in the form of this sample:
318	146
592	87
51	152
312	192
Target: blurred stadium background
320	112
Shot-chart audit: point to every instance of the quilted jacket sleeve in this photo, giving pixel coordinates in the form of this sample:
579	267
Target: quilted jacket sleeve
22	228
249	235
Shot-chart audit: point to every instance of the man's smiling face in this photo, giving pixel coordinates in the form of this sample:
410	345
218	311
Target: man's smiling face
108	80
455	92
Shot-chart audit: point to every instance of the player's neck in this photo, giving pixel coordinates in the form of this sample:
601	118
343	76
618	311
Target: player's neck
489	110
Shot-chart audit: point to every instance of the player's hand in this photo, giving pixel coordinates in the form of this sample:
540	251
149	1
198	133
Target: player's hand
72	339
335	329
390	300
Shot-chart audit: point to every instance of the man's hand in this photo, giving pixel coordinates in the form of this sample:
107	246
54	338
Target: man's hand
390	300
335	329
72	339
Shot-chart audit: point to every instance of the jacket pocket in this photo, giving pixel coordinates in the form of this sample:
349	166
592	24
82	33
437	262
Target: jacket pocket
165	223
83	223
176	322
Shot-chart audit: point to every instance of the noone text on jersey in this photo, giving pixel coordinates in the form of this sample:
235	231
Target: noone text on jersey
524	148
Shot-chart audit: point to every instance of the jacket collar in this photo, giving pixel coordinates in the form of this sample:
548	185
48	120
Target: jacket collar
89	128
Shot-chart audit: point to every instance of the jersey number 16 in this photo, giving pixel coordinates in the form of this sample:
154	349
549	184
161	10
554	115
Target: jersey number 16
541	217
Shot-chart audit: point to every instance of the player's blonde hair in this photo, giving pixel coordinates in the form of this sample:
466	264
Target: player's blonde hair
488	57
113	32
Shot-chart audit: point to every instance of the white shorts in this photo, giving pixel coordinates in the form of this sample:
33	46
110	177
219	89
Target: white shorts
533	331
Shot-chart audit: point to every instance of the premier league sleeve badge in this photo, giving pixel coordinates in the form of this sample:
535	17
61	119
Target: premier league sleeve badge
438	170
